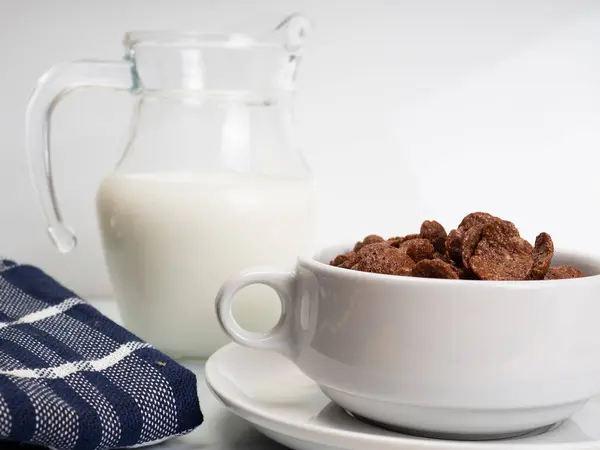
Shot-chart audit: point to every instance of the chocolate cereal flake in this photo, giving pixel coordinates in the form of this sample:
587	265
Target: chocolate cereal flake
469	243
434	268
443	257
351	259
435	233
563	273
483	218
417	249
476	218
382	258
454	246
542	256
501	254
396	241
339	260
370	239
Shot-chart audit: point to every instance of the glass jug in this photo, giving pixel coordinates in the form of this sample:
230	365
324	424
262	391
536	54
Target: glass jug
208	183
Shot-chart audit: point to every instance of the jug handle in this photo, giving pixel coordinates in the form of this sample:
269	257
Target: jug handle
50	90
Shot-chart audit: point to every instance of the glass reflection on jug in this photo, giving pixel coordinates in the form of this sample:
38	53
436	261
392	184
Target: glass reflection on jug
209	182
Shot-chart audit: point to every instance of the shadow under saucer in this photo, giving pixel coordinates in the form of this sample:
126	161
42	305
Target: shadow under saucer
456	437
341	418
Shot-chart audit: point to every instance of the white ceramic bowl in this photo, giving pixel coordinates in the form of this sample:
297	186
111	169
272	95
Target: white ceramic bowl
479	359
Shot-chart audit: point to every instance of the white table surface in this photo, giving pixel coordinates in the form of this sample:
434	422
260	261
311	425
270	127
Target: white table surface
221	429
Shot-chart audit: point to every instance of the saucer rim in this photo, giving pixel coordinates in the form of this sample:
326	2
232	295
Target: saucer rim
352	439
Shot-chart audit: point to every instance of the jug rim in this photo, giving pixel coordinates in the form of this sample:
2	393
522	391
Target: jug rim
194	39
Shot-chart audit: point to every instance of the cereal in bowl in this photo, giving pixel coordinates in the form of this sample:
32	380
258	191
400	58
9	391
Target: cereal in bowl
482	247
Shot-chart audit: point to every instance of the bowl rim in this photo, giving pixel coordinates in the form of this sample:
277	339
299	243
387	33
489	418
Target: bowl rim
315	264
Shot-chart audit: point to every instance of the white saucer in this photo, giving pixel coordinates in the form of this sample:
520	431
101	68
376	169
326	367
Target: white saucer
271	393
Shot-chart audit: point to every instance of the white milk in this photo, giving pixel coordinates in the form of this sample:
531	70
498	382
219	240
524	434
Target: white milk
171	240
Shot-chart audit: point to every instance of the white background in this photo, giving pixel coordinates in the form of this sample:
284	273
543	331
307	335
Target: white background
408	110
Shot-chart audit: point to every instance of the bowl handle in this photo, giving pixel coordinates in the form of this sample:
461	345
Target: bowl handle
277	339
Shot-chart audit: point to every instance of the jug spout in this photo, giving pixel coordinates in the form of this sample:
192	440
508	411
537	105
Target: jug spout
294	30
192	63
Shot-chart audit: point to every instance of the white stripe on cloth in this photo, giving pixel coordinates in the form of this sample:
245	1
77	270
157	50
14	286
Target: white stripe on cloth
67	369
45	313
5	268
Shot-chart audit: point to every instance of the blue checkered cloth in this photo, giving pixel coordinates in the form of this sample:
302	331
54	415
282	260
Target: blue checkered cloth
72	379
